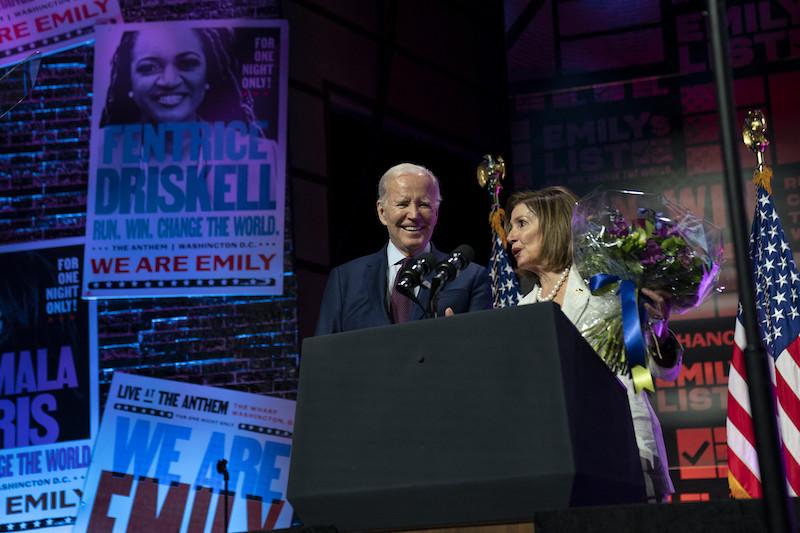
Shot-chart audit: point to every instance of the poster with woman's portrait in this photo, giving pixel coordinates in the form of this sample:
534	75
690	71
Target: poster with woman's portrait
187	159
48	384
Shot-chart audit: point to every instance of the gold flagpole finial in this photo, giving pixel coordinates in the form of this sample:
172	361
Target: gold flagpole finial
754	136
491	171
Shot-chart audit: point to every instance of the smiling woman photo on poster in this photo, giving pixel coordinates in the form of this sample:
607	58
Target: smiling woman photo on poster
175	97
175	74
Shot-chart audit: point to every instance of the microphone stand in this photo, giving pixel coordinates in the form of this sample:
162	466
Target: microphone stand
222	465
433	302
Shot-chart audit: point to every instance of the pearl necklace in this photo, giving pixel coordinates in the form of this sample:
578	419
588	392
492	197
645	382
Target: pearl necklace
559	283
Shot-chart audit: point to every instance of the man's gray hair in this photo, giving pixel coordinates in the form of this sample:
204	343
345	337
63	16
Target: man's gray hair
405	168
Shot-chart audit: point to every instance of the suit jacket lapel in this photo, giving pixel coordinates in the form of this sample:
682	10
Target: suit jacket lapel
377	268
577	296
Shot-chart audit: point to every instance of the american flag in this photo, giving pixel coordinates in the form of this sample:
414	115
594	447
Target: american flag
778	311
505	286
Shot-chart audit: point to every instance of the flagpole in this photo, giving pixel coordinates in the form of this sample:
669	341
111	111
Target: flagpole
770	462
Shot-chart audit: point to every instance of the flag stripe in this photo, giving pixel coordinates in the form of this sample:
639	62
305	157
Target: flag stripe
744	476
740	418
743	449
793	475
787	400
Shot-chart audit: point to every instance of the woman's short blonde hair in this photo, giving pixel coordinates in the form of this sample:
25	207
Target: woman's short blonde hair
553	207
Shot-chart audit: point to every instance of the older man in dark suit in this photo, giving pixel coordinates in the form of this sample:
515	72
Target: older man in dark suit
358	294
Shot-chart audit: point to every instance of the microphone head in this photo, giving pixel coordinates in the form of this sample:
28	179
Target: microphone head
455	262
466	252
424	263
411	276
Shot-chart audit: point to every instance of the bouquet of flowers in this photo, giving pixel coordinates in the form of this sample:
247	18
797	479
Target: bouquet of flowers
650	241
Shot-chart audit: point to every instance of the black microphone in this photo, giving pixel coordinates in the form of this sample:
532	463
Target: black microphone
448	269
411	277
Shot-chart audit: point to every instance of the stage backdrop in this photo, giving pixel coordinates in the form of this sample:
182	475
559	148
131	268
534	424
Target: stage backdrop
187	157
48	384
156	465
620	93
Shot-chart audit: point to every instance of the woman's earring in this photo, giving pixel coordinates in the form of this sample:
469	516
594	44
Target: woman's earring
130	95
208	86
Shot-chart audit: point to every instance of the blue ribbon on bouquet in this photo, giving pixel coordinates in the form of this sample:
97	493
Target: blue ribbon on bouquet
633	316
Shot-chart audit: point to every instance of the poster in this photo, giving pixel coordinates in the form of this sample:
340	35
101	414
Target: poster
48	385
49	25
157	459
187	158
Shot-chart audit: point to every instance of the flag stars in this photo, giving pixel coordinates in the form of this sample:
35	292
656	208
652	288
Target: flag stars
777	314
772	234
793	314
771	247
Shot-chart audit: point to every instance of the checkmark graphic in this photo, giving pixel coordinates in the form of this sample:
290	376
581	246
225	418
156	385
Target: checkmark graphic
693	458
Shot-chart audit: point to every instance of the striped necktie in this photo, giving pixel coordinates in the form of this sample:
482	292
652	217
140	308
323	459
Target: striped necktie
400	304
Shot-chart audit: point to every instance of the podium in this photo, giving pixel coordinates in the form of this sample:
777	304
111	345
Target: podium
481	418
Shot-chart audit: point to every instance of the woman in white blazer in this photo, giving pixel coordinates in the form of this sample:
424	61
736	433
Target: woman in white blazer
540	236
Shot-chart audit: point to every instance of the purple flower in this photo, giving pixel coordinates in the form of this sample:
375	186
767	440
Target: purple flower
652	253
619	228
685	257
